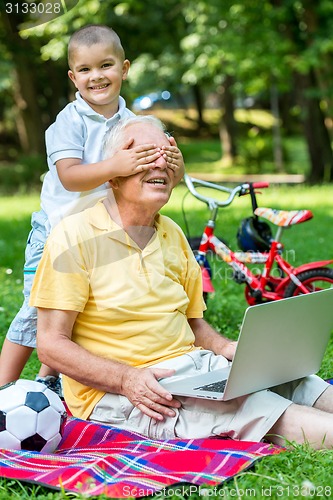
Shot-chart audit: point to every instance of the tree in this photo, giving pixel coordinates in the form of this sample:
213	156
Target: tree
288	41
24	89
36	89
236	48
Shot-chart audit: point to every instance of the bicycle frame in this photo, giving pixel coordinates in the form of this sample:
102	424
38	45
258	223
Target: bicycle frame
257	283
258	286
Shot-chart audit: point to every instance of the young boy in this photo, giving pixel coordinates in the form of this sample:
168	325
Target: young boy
77	175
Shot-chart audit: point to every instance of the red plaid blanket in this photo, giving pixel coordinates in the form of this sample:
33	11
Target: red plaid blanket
95	459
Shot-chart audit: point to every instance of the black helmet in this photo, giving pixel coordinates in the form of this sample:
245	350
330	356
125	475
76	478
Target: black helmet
254	235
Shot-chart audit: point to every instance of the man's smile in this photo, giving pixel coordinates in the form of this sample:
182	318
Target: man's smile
157	180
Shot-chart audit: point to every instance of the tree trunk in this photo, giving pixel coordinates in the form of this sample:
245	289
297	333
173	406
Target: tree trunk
227	128
29	122
199	105
308	91
59	91
276	130
315	130
290	124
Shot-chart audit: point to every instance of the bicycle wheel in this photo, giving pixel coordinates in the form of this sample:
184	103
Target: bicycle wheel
313	280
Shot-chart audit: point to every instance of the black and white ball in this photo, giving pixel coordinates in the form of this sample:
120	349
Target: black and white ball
32	417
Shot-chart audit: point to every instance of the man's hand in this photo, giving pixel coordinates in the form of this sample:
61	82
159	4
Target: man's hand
228	351
141	387
129	161
174	159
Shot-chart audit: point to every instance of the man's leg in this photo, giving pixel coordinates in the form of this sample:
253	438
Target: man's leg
325	401
302	424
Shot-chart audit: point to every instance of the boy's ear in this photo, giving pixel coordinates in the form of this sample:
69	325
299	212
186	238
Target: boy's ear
71	76
126	67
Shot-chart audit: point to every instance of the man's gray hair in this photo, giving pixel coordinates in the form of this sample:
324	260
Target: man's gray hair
116	137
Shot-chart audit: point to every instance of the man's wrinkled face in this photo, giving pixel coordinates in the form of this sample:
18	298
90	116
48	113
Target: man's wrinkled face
153	186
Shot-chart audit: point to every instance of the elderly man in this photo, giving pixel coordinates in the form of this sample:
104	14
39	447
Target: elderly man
119	301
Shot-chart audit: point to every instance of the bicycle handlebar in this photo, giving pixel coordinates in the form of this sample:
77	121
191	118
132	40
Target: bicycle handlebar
260	185
241	190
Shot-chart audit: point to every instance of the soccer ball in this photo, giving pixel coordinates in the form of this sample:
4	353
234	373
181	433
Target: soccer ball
32	417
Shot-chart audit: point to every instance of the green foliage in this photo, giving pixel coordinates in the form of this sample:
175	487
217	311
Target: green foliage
200	43
22	176
202	155
257	149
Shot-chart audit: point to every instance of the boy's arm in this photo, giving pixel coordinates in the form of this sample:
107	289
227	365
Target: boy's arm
77	176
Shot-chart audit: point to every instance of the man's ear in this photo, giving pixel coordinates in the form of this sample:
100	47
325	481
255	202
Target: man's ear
114	183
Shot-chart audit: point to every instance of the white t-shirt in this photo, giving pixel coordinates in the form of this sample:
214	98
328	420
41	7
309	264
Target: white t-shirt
78	132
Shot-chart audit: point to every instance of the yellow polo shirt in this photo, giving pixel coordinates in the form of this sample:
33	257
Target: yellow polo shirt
133	304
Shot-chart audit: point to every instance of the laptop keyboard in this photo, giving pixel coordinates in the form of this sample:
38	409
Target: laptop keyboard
214	387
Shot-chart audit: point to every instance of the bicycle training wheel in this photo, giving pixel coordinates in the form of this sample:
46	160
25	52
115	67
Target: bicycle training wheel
313	279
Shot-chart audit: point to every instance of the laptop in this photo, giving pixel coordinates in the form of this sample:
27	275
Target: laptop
279	341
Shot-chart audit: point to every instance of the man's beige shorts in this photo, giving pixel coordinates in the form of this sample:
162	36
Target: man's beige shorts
247	418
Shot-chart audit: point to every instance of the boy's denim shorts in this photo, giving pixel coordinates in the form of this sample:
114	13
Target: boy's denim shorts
23	328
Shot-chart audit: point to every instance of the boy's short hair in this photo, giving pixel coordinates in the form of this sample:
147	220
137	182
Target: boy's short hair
94	34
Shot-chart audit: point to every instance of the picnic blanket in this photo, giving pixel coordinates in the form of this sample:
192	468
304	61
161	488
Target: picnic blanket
95	459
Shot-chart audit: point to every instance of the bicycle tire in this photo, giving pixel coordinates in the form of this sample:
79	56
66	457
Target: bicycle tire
309	279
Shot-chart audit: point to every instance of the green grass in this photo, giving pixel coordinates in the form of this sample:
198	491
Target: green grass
281	476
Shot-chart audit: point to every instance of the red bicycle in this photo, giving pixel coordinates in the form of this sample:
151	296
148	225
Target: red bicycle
276	278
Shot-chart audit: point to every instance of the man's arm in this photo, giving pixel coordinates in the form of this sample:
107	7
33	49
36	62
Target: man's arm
208	338
140	386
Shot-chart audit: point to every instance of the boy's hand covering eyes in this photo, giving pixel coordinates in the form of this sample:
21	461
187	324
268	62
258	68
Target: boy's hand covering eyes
132	160
174	159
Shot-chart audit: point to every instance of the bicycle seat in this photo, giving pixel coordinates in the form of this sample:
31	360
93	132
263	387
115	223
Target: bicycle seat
284	218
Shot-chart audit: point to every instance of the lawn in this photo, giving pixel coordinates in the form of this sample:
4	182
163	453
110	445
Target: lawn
289	474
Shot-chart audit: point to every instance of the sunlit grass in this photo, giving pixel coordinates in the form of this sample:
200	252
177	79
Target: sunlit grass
258	117
18	206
